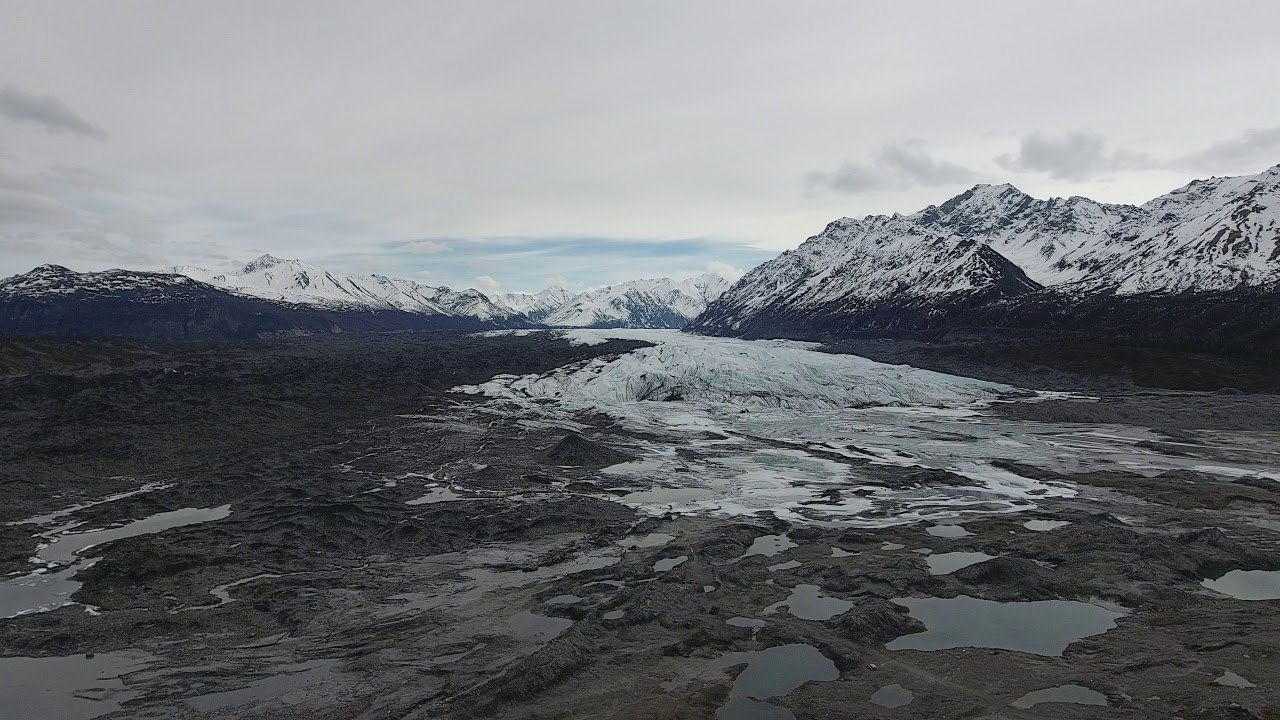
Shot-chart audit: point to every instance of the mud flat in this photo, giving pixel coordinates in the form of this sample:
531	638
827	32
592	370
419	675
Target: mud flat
773	563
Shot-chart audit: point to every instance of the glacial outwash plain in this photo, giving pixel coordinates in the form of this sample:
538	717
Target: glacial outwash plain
544	523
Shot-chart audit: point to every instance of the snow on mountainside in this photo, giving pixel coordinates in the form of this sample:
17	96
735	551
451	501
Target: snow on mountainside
54	281
53	301
997	242
1036	235
640	303
536	306
297	282
1209	235
657	303
1212	234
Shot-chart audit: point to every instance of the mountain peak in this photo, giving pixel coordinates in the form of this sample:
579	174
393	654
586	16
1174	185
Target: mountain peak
51	269
262	263
984	193
994	189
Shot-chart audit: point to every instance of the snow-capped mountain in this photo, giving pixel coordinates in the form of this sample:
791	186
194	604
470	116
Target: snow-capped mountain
661	303
54	301
994	243
657	303
52	281
294	281
536	306
1212	234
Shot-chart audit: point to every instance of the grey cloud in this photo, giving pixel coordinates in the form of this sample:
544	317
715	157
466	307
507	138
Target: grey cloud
60	213
849	178
1247	152
900	166
25	208
1076	155
45	110
20	245
112	246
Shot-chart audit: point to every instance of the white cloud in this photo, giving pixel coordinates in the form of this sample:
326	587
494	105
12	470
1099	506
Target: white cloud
423	247
725	270
487	284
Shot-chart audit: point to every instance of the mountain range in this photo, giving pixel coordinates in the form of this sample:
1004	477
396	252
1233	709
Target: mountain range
995	257
53	301
271	296
655	303
1197	268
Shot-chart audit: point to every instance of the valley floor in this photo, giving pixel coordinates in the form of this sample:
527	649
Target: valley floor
625	524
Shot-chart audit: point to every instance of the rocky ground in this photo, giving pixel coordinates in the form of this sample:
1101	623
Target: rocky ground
397	551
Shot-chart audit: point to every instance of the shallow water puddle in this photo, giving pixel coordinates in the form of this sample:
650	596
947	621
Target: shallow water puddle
539	628
614	615
436	495
669	563
1045	525
788	565
1247	584
947	563
947	531
841	553
48	518
223	592
564	600
892	696
771	673
42	590
807	603
291	678
487	579
69	688
1044	627
768	546
745	622
652	540
63	549
1073	694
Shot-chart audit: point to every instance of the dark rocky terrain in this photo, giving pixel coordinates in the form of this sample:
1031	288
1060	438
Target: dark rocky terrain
396	551
1241	322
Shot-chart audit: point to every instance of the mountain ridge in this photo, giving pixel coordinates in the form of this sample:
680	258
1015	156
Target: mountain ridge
53	301
1065	257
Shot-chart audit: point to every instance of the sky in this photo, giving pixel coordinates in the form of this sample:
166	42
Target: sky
512	145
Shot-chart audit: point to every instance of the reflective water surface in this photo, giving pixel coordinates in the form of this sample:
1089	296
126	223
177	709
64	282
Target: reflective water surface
1044	627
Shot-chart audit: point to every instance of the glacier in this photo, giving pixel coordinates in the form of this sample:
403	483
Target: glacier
740	373
733	427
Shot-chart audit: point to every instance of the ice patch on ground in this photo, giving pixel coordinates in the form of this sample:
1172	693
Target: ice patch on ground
741	373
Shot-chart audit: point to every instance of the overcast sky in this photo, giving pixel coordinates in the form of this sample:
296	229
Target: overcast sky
514	144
